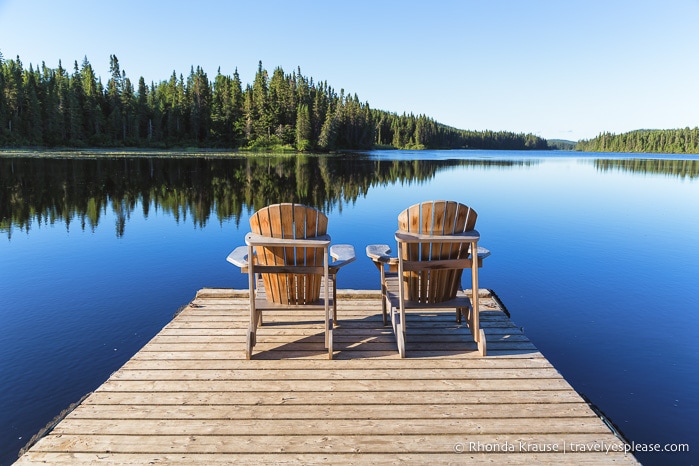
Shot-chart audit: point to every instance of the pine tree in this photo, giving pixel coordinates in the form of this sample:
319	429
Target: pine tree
115	87
32	122
221	124
249	114
92	114
3	107
14	91
261	114
76	99
303	128
129	124
142	114
199	104
328	133
155	116
237	116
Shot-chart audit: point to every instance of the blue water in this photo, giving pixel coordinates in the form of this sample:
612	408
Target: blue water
595	255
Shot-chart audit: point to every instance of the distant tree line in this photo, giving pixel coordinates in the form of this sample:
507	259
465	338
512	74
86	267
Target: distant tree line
669	141
47	107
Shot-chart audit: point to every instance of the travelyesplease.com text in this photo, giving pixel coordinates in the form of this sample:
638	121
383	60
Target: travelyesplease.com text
569	447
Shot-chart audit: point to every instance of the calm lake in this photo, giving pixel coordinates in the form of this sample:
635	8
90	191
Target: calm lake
595	255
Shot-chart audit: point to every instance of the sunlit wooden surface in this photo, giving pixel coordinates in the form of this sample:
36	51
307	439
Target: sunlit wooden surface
189	396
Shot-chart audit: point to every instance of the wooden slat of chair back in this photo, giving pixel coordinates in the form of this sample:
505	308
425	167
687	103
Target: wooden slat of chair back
291	221
435	218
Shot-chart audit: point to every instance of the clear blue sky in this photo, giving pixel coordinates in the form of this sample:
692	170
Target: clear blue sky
556	68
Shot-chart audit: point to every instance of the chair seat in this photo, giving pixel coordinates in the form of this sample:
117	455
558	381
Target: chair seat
392	294
262	303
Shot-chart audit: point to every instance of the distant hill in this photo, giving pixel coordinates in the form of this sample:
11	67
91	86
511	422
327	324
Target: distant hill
561	144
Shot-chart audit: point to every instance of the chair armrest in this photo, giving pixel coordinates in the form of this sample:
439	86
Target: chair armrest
378	252
483	252
342	255
239	257
381	253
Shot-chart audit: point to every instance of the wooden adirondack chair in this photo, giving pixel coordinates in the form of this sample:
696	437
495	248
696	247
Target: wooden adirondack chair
435	240
287	259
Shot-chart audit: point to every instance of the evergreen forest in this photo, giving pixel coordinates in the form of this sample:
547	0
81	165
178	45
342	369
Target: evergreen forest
667	141
59	108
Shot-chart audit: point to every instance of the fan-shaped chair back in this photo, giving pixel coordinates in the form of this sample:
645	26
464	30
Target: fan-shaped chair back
290	221
435	218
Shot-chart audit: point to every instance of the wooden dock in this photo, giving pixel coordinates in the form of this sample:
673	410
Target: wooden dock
189	396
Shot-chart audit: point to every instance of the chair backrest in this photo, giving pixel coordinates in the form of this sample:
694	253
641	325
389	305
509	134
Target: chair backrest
291	221
435	218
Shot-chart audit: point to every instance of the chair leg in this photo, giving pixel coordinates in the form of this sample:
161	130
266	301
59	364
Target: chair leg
394	320
334	280
481	343
384	293
250	342
400	338
384	308
398	330
477	332
329	342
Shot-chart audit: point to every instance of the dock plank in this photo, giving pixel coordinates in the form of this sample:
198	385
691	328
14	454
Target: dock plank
189	396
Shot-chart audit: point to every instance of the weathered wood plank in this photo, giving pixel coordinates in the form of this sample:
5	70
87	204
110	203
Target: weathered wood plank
329	458
339	427
493	410
356	385
465	365
285	444
252	397
392	376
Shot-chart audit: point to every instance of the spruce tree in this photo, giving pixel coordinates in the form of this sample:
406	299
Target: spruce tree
303	128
